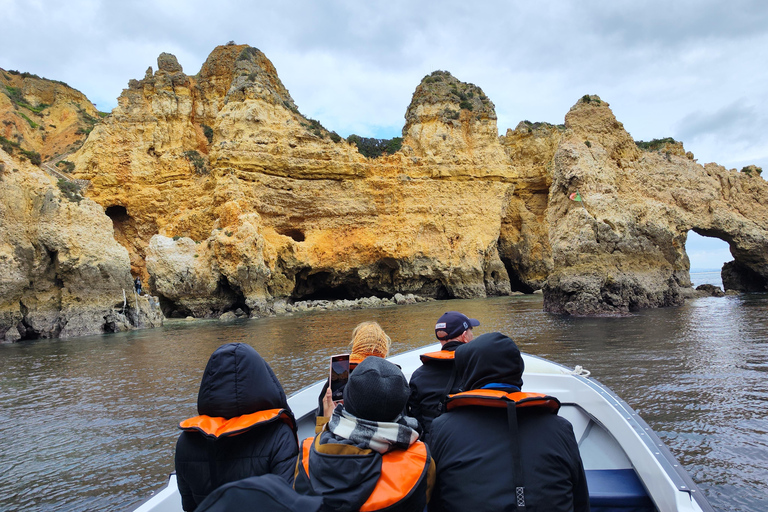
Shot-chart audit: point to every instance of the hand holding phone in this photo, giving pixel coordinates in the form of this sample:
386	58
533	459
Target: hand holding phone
339	376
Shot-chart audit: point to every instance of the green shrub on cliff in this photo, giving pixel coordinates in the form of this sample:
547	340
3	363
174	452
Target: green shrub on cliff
7	145
655	144
208	132
65	165
197	161
752	169
32	156
70	190
374	148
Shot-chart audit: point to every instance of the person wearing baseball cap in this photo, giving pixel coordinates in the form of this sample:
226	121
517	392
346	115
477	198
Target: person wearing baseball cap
434	380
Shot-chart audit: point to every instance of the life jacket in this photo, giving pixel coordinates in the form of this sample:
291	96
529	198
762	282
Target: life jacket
217	427
502	399
402	471
496	398
440	355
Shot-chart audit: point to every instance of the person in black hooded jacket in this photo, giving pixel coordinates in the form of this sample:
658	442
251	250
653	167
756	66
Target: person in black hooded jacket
244	428
474	442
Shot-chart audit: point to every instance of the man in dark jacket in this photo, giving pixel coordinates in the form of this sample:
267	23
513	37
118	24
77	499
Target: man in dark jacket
481	461
433	380
245	427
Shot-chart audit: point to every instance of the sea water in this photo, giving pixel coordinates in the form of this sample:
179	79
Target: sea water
91	423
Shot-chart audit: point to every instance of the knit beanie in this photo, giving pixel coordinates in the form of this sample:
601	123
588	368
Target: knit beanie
376	391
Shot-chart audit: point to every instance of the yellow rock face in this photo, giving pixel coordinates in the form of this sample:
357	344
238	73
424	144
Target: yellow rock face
63	273
226	196
281	210
43	116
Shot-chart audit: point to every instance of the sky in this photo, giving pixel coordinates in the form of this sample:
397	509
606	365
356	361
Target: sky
696	71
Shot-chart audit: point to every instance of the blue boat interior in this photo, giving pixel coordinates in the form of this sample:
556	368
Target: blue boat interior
617	490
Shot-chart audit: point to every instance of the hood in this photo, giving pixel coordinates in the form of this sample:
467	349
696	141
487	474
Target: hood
491	358
344	475
237	381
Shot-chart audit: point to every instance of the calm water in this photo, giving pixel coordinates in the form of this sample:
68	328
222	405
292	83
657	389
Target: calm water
90	423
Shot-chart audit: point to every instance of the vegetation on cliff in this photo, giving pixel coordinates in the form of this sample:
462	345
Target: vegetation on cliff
374	148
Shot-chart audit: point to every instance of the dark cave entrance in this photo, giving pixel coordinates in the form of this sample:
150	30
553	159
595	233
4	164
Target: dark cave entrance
119	216
124	227
328	286
515	283
296	234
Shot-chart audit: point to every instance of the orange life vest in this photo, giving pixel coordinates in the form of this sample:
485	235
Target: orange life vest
222	427
401	472
496	398
440	355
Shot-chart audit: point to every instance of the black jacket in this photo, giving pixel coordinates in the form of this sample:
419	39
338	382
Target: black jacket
472	446
236	382
265	493
345	475
428	385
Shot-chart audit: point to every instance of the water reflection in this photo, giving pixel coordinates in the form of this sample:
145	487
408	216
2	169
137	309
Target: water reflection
90	423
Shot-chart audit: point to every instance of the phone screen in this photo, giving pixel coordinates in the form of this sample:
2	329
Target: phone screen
339	375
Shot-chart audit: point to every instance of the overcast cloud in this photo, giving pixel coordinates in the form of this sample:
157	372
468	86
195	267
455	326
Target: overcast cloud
693	70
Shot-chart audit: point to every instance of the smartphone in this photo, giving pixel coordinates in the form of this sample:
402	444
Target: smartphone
339	375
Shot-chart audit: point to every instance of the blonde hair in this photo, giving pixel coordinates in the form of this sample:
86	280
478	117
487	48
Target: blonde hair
369	339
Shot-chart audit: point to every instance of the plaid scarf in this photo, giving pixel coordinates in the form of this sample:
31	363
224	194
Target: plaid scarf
380	436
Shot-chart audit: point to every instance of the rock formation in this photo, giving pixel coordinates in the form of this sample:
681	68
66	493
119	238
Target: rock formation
63	273
623	246
227	197
43	119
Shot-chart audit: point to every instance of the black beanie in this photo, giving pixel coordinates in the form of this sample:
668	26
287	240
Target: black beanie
376	391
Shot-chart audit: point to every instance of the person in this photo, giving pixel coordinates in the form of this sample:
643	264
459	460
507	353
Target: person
368	339
265	493
498	448
137	285
368	456
434	379
244	428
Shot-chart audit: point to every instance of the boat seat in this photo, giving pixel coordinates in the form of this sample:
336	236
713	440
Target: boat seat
617	490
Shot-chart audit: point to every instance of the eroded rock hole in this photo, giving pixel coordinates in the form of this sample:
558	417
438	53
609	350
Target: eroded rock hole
296	234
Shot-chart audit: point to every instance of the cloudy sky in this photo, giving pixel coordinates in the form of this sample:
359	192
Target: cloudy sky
696	71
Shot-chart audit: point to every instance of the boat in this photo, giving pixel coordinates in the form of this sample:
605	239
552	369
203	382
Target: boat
627	465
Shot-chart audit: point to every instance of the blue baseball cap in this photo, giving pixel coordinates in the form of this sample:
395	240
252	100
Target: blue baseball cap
452	324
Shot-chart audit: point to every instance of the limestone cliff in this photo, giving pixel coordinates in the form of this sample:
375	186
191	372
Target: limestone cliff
281	211
622	247
43	119
62	272
227	197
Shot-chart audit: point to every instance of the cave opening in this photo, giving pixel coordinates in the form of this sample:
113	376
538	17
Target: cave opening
327	286
118	214
516	284
296	234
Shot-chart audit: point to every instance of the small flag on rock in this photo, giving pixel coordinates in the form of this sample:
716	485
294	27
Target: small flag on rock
575	196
